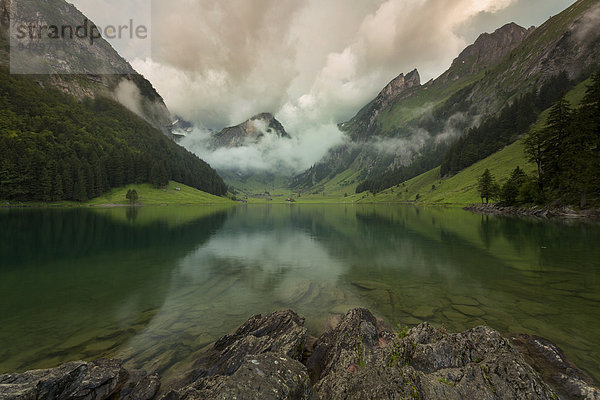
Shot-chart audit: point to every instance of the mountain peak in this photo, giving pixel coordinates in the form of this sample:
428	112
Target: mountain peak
397	86
488	49
251	131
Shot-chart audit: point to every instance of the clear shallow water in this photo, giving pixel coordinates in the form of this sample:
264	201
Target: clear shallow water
153	286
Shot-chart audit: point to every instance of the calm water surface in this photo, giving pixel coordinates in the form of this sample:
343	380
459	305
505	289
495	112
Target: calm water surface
153	286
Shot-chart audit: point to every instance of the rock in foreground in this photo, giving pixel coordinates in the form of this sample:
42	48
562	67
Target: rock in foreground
360	358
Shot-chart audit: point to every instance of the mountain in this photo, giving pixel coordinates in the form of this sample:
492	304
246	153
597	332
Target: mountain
75	136
412	130
77	66
364	123
260	134
404	120
487	49
249	132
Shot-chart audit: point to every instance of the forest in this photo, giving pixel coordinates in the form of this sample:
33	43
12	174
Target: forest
566	152
53	147
477	143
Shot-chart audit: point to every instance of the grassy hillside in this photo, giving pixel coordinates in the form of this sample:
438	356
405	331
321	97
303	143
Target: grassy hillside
149	196
461	189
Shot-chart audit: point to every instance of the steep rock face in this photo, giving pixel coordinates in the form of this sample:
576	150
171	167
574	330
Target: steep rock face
515	60
250	131
488	49
568	42
77	67
363	125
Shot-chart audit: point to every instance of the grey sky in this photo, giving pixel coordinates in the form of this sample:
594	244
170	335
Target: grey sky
311	62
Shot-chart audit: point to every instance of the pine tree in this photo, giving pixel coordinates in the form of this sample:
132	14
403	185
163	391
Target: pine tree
68	181
57	187
487	186
591	101
555	139
510	189
158	176
79	192
45	185
535	152
132	196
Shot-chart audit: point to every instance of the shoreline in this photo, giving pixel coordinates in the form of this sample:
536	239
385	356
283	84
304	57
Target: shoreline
542	213
359	355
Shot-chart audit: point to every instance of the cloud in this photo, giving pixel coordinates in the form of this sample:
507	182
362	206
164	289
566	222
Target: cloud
587	28
218	63
270	153
129	95
312	63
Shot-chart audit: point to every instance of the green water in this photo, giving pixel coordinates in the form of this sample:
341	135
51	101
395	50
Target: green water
153	286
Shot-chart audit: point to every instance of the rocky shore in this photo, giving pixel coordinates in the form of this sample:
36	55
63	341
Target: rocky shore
273	357
534	212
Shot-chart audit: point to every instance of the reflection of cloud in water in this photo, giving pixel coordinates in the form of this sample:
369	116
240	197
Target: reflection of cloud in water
272	252
233	276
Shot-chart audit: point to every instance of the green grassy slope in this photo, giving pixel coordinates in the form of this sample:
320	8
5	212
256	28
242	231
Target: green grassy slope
461	189
148	195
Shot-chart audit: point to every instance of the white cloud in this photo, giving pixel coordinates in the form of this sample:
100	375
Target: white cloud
271	153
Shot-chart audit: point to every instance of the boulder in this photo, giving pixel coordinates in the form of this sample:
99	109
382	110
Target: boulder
281	332
268	376
261	360
361	358
555	368
140	386
78	380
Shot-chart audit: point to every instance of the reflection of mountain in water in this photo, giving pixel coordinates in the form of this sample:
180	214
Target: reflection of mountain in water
78	283
182	280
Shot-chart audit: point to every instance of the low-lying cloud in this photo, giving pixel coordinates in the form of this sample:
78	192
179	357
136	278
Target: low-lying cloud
284	156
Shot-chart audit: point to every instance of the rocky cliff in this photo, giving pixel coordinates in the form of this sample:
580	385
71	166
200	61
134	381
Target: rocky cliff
488	49
77	67
487	76
363	124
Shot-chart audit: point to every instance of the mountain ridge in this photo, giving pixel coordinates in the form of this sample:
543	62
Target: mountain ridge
519	60
366	117
82	70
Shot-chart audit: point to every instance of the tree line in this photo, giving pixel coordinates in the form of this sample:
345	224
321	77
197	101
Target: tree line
566	152
477	143
53	147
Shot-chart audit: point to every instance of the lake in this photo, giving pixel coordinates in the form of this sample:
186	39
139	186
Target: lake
153	286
